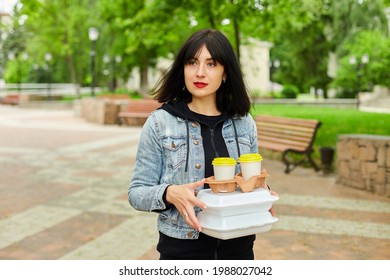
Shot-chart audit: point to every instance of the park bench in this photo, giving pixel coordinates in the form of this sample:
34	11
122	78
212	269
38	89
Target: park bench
10	99
291	136
137	111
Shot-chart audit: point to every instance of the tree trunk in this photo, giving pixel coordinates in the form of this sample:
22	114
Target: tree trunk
73	76
144	85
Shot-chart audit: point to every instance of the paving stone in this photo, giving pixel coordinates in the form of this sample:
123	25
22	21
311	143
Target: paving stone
63	193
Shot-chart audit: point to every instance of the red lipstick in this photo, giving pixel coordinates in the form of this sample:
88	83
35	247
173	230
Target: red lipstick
200	84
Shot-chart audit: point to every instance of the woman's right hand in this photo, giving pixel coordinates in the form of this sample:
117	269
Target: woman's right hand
272	211
184	199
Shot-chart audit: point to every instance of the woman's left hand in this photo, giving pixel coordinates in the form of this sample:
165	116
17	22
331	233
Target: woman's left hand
184	199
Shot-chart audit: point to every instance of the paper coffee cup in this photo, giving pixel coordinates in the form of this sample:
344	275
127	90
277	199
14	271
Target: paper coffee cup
224	168
250	165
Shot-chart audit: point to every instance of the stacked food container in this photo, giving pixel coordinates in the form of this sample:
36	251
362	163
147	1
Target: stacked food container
237	206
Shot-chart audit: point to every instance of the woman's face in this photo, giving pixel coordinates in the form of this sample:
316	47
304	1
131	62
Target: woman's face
203	75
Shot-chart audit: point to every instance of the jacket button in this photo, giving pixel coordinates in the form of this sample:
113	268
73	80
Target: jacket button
189	234
196	142
198	165
194	124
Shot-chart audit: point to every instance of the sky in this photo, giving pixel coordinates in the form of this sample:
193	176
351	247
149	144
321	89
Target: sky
7	5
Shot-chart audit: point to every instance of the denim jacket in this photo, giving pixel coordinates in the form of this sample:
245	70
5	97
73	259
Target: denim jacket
164	151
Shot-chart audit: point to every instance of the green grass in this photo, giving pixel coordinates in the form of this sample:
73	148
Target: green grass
334	121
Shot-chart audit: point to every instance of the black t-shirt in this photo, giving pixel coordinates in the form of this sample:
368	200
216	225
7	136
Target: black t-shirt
211	131
213	142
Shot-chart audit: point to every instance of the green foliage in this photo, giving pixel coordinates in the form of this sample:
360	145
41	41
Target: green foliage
307	33
290	91
57	27
362	77
334	121
350	16
141	31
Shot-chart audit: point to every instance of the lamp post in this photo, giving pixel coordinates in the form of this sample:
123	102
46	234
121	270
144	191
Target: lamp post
36	68
359	64
2	57
93	35
106	71
48	58
110	69
118	59
12	56
273	65
24	56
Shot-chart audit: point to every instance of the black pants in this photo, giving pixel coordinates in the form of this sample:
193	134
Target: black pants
206	248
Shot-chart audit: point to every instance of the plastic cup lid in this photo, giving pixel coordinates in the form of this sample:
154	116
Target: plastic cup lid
224	161
250	158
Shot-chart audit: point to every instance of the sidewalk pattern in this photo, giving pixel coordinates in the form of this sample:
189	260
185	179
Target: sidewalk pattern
63	195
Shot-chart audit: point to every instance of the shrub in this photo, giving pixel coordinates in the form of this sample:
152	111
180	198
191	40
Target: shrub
345	93
290	91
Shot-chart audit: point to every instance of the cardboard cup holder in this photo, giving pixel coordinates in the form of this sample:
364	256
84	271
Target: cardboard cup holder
226	186
221	186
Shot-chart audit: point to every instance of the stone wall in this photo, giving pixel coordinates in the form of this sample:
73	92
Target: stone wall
363	162
101	110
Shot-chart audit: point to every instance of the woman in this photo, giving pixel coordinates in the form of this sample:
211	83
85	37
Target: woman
205	115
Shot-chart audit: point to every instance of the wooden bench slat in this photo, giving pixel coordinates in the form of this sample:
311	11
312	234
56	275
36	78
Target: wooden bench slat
292	137
276	147
132	114
288	132
11	99
286	120
287	135
280	126
137	111
302	146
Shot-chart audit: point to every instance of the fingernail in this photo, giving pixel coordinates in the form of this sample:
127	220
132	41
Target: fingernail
204	207
199	229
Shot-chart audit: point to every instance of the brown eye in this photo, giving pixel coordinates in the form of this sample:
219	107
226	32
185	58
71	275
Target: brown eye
191	62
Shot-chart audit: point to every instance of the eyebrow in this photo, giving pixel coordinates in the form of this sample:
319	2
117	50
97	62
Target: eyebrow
206	58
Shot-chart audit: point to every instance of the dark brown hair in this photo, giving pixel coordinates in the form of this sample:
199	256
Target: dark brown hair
232	96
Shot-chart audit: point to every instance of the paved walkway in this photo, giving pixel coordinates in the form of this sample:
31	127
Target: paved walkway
63	195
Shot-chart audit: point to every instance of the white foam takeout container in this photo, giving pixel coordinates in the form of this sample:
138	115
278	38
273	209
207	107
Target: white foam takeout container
237	202
236	226
236	214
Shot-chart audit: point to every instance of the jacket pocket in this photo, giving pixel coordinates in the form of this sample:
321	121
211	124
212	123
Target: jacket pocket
243	142
175	150
245	145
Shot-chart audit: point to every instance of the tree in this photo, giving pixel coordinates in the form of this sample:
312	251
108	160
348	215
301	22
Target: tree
60	28
304	32
151	31
114	16
352	78
14	48
299	41
359	28
349	17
